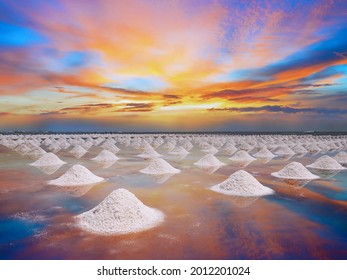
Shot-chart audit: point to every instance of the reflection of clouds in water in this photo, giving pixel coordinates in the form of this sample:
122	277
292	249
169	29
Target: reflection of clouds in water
106	164
160	178
76	191
209	169
243	202
298	155
324	173
241	163
177	157
49	169
78	155
285	157
264	160
32	216
297	184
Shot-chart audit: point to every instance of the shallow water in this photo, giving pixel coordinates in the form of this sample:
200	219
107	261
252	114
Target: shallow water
301	221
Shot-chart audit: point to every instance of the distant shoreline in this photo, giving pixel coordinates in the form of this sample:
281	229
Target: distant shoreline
192	132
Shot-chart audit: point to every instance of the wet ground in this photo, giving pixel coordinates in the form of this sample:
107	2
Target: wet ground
303	220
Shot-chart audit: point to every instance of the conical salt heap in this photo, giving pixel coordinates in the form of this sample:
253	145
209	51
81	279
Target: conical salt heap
242	156
77	175
36	152
179	151
120	213
341	157
78	151
168	145
326	163
159	166
150	153
209	160
48	159
299	149
210	150
241	183
264	153
295	171
22	149
312	148
104	156
284	151
229	148
186	144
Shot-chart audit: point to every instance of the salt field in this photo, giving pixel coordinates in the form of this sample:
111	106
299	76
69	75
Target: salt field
173	196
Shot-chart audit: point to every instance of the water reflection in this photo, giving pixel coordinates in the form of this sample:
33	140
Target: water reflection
324	173
209	169
241	163
243	202
296	184
49	169
106	164
76	191
160	178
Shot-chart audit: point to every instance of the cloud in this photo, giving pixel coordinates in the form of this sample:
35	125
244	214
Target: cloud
136	107
284	109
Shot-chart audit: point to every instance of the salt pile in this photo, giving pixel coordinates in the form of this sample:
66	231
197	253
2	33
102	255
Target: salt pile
149	153
296	171
22	149
78	151
341	157
284	151
299	149
36	152
210	150
245	146
326	163
159	166
242	156
168	145
241	183
105	156
209	160
187	145
48	159
120	213
264	153
179	151
312	148
229	148
75	176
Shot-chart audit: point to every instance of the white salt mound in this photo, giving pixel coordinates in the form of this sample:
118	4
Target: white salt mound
120	213
78	151
284	151
209	160
210	150
326	163
295	171
242	156
241	183
180	151
77	175
150	153
264	153
159	166
48	159
341	157
299	149
105	155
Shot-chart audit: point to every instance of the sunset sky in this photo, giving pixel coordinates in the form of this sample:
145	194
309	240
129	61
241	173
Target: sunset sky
189	65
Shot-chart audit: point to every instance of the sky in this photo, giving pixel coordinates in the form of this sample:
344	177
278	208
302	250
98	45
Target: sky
182	65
